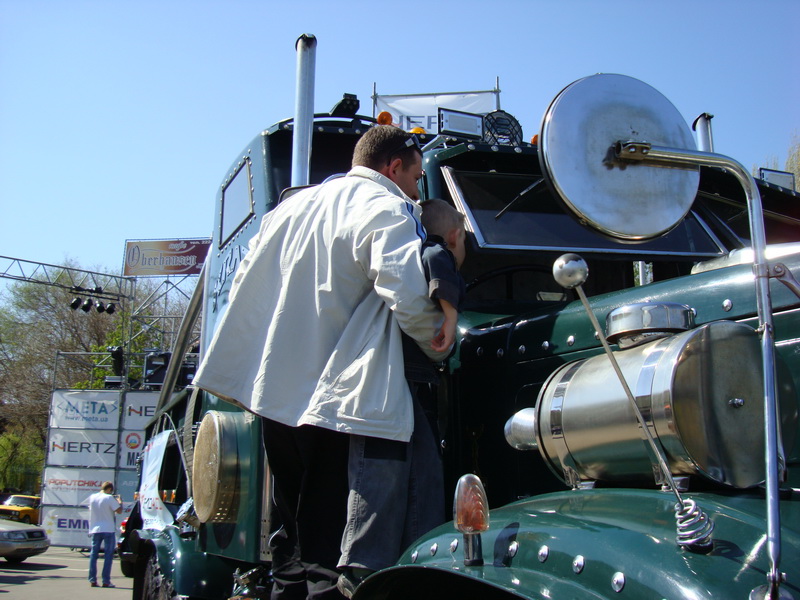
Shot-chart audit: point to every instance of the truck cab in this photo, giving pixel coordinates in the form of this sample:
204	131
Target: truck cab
529	405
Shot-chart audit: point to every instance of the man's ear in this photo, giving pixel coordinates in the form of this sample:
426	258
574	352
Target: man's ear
451	239
395	166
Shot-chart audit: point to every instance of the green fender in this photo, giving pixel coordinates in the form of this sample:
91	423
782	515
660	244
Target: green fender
194	573
602	543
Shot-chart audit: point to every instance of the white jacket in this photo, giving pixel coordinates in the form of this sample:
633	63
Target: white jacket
311	333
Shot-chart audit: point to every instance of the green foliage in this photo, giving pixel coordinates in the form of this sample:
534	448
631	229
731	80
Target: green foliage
21	460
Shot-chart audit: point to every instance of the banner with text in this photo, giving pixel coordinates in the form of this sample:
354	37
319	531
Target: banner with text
422	110
67	526
140	408
72	486
130	447
85	409
82	448
156	258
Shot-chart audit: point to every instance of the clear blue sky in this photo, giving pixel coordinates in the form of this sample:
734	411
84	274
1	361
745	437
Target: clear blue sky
118	118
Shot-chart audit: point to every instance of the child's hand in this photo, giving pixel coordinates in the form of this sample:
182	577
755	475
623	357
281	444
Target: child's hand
446	337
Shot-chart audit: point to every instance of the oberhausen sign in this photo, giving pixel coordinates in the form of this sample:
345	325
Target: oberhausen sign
156	258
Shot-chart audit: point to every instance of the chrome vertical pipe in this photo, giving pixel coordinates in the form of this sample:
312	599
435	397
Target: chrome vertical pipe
306	47
702	125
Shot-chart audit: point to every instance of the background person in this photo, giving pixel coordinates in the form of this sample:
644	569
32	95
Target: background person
102	529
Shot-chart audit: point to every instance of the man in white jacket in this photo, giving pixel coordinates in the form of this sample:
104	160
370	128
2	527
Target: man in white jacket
311	341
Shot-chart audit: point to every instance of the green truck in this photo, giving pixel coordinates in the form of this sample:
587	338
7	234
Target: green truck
645	448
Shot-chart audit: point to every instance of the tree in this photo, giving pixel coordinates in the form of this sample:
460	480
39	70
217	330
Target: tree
36	322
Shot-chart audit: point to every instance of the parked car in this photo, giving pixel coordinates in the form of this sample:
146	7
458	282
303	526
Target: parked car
19	541
21	508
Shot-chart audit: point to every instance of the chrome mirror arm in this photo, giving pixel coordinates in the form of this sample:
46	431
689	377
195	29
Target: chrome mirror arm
645	153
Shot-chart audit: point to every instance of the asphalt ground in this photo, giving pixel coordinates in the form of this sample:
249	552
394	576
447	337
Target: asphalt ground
59	573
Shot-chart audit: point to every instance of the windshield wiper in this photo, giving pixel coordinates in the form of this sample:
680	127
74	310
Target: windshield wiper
520	195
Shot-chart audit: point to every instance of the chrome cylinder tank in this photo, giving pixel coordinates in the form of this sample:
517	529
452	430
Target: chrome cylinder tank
700	393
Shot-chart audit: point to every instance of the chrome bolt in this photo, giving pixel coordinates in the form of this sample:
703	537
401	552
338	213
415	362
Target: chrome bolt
454	546
414	556
571	340
479	351
434	549
500	353
545	345
578	564
618	581
521	349
727	304
544	552
513	548
736	402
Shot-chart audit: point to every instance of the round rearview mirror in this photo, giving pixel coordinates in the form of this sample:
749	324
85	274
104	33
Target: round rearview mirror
624	200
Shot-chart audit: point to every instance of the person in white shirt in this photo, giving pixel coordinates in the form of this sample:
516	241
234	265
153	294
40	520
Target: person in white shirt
102	529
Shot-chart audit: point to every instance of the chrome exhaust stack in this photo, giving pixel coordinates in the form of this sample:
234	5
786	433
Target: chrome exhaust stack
306	47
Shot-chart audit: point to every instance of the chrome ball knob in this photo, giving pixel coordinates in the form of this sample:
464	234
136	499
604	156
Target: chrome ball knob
570	270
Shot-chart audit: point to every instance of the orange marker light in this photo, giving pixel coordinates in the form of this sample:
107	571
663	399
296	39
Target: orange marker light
470	506
385	118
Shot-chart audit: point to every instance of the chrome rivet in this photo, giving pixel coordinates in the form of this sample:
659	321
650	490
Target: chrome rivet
479	351
500	353
453	546
736	402
513	548
495	149
518	150
521	349
341	130
434	549
544	552
571	340
727	304
578	563
470	146
414	556
618	581
545	345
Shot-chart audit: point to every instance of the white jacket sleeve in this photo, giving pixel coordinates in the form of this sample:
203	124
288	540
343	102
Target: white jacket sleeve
388	245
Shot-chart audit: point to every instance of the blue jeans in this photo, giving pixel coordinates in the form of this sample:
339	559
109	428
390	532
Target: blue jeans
396	495
108	540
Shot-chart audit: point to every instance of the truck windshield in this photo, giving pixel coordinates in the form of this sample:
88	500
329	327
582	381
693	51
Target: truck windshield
536	220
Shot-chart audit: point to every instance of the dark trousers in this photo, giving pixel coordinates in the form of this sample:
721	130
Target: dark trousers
310	489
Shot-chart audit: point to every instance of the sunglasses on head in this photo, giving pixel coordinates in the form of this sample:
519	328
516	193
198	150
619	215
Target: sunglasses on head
411	142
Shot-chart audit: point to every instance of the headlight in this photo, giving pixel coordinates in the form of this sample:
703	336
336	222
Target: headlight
13	535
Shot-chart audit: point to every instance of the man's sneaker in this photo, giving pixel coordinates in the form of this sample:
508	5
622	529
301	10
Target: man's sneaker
350	579
109	585
93	583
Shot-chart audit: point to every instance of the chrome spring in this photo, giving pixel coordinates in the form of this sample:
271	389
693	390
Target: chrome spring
694	527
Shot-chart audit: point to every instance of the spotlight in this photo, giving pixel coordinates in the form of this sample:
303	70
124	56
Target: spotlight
87	305
100	307
76	302
110	308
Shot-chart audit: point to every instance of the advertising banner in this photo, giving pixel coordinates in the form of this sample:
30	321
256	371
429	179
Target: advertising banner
154	513
156	258
422	110
82	448
72	486
130	447
67	525
140	408
85	409
126	486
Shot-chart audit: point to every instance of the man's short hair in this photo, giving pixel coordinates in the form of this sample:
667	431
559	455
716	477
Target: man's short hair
383	143
107	487
439	217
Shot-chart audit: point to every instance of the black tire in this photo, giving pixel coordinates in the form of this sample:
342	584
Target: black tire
26	519
15	560
156	586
